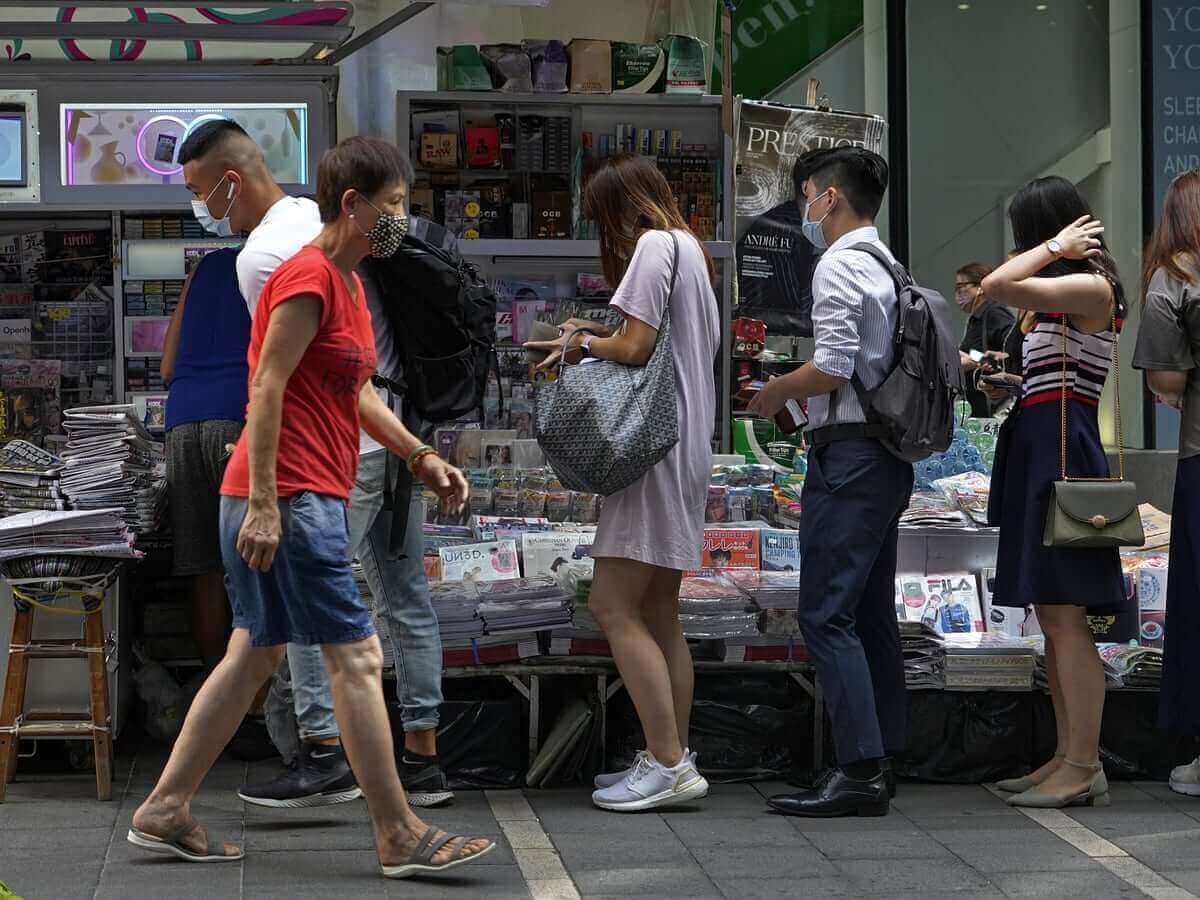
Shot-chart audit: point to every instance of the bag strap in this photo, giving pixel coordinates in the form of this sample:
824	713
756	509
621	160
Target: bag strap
900	277
1116	369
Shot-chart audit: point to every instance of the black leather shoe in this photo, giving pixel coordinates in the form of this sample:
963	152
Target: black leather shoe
836	794
889	776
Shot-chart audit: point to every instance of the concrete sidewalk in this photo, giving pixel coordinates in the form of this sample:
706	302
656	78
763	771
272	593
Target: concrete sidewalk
58	842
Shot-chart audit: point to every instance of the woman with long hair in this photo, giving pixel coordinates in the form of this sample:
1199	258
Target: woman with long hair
1168	349
1065	276
652	531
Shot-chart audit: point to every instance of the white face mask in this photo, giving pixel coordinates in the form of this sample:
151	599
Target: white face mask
220	227
812	230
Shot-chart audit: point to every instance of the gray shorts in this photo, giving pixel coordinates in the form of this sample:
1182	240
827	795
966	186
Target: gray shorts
196	459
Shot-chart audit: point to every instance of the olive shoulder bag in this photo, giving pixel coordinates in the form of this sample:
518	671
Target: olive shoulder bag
1093	513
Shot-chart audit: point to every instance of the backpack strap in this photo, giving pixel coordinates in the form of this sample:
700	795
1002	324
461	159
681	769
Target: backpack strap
900	280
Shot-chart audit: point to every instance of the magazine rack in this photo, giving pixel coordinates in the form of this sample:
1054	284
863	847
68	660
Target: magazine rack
46	594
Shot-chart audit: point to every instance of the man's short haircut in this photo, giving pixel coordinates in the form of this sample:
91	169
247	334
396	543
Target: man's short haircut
858	173
364	163
210	137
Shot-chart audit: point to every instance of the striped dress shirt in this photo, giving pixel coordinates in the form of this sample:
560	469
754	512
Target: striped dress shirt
854	320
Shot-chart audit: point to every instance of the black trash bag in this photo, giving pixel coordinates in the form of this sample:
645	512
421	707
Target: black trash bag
482	743
967	738
1131	744
744	727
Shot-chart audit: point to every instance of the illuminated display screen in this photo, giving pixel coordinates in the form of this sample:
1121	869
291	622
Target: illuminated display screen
139	143
12	149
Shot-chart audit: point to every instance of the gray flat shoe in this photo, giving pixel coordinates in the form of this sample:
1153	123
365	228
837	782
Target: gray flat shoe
1096	794
421	859
1019	785
173	845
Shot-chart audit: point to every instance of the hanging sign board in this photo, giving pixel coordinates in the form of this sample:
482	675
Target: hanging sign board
775	261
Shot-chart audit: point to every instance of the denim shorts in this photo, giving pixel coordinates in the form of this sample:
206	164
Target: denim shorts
308	596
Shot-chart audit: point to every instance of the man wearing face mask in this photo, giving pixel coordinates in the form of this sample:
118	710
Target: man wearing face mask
855	490
299	708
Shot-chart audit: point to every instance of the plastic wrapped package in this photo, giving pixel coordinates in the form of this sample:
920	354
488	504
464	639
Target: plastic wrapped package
509	67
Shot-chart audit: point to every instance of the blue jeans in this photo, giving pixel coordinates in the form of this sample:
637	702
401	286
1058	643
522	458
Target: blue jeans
300	704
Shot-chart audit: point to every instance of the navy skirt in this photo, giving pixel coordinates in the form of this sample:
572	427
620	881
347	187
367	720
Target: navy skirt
1179	701
1027	465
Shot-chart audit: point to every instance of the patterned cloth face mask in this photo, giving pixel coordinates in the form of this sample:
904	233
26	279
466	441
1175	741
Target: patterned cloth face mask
386	234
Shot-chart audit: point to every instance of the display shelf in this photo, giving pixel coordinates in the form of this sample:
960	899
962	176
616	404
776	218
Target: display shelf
495	97
559	249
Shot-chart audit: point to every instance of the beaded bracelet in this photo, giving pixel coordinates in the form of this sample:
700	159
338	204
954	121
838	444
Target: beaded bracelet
414	458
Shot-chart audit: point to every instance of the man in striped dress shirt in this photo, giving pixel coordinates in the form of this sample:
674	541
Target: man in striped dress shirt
855	490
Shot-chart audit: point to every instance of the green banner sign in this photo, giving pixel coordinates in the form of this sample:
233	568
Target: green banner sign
775	39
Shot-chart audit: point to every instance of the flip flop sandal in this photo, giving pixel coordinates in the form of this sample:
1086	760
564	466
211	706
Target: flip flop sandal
421	860
172	844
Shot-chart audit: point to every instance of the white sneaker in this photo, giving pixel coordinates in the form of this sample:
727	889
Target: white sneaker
608	779
1186	779
651	785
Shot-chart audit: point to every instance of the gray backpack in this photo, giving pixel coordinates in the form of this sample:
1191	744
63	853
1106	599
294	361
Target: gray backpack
913	407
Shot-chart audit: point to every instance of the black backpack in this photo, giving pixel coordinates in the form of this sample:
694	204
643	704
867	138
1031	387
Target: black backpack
443	318
914	404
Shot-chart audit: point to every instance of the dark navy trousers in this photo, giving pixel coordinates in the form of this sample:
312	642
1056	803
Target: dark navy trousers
853	496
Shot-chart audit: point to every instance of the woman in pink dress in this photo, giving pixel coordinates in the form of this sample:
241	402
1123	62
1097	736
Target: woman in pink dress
651	532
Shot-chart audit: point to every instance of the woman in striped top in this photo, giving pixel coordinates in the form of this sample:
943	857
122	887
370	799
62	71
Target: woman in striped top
1064	276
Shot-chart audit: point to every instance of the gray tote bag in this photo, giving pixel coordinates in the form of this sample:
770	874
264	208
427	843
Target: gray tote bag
603	425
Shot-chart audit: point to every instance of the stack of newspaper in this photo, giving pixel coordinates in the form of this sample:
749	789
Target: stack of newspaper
1127	665
455	603
29	479
932	509
988	661
112	462
101	532
714	607
922	647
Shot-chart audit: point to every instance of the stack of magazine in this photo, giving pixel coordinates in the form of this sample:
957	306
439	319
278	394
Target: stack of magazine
522	607
1127	665
112	462
712	607
922	648
988	661
29	479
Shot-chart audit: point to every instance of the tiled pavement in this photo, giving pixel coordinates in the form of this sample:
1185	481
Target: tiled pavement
57	842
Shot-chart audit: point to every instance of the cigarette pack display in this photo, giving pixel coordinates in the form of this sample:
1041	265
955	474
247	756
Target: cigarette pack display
558	143
645	141
520	221
552	215
439	150
676	142
483	147
531	143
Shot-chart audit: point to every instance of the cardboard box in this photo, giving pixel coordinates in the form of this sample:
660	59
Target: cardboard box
638	68
1152	585
591	66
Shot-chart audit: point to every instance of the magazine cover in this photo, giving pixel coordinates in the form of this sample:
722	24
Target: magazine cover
731	548
953	606
546	552
780	550
480	562
774	260
999	619
31	392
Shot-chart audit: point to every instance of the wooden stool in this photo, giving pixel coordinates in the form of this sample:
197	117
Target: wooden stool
16	723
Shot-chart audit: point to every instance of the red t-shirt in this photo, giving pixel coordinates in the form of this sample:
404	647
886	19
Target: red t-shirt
318	437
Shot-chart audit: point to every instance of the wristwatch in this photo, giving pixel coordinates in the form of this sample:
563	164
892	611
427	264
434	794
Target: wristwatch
1054	247
585	346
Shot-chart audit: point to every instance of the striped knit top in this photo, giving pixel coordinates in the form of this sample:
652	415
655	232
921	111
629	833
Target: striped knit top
1089	357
